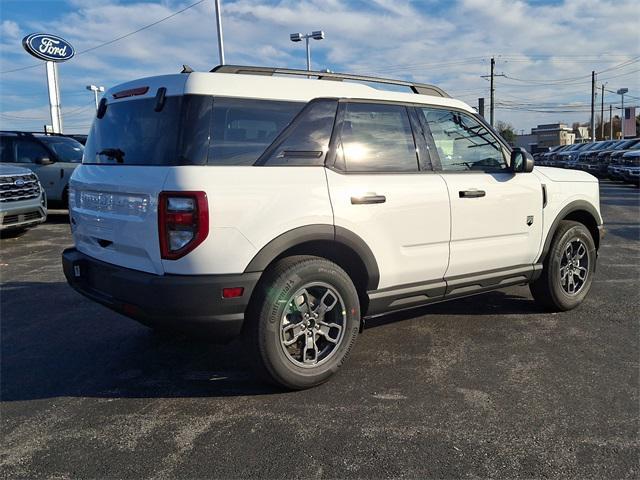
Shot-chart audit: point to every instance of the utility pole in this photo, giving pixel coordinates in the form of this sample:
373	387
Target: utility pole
219	25
593	109
481	107
610	122
602	113
493	89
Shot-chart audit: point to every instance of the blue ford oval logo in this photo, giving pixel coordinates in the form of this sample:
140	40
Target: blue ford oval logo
48	47
19	183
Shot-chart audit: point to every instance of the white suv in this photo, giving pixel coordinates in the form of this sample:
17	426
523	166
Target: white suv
289	209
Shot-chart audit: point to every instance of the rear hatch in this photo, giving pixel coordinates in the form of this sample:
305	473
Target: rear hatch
146	129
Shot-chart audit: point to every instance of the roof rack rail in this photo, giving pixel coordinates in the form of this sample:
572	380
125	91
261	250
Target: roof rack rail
33	132
420	88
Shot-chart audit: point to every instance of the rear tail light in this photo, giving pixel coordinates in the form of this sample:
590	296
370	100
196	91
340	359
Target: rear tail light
183	222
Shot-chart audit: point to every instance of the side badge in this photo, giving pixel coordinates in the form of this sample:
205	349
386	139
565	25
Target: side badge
529	220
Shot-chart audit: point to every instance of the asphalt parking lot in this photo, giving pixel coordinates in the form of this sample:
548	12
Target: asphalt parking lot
487	386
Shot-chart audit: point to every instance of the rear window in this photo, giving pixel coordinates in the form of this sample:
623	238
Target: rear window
189	130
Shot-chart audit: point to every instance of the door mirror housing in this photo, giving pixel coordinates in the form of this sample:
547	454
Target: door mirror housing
44	161
521	161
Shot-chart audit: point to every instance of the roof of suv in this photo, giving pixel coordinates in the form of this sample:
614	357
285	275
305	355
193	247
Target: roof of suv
272	88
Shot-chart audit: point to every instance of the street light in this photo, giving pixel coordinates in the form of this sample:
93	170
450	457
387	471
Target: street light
95	89
297	37
622	91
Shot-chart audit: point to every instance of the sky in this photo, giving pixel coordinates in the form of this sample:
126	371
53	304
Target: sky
546	49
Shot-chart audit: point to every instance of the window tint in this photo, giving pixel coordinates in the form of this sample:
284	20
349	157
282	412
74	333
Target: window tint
376	138
463	143
6	150
132	133
307	141
66	149
27	151
243	128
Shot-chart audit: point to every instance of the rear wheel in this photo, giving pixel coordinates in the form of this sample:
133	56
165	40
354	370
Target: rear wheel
568	269
303	322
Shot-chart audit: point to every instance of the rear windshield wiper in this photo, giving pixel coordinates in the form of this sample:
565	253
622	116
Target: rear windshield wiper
113	153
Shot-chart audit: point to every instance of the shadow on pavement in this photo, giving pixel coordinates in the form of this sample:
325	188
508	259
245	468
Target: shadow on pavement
55	343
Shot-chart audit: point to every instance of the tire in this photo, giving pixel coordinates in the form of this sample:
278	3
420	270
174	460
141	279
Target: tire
13	232
549	290
294	351
65	198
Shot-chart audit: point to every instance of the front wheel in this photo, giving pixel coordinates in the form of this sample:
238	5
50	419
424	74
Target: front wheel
303	322
568	269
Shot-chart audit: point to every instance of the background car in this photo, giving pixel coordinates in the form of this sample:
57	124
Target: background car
23	203
53	158
585	160
565	158
630	168
615	163
603	158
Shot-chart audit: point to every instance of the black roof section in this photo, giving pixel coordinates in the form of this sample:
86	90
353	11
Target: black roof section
420	88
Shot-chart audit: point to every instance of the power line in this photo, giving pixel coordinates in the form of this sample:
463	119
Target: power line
572	80
117	39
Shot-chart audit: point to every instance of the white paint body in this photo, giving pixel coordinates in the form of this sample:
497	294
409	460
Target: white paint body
423	232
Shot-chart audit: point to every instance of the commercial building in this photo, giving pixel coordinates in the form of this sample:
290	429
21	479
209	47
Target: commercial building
552	134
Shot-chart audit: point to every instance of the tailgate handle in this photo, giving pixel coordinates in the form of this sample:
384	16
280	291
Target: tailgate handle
369	198
471	193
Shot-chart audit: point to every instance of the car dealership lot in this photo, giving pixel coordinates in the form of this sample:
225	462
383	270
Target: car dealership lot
484	386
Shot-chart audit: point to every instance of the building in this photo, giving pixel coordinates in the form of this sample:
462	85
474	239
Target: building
529	142
553	134
582	134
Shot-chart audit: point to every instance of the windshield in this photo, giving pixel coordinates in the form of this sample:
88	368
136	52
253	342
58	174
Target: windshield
66	149
627	144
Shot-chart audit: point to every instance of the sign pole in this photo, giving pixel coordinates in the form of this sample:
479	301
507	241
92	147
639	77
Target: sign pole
54	96
51	49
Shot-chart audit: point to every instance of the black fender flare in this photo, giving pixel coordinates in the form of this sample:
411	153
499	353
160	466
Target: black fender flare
317	232
576	205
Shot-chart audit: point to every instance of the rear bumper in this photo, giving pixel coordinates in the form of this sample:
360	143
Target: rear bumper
191	303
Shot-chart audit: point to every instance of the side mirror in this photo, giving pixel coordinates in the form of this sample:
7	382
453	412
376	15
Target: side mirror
44	161
521	161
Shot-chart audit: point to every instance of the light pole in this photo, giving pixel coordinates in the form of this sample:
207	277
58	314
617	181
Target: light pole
219	27
95	89
622	91
297	37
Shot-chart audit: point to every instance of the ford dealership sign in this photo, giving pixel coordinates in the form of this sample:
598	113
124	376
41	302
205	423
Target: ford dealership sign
48	47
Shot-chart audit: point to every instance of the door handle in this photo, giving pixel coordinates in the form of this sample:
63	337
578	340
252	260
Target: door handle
471	193
368	199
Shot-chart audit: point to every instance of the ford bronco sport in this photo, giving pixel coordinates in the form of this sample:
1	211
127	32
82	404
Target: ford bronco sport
246	201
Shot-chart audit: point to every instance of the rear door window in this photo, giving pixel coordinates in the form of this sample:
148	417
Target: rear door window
376	138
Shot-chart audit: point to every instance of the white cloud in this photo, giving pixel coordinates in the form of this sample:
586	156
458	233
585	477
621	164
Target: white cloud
425	41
